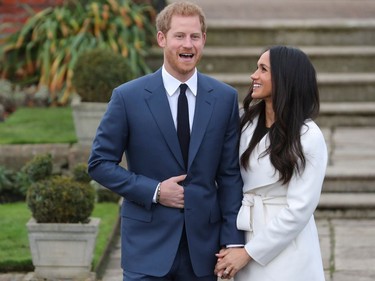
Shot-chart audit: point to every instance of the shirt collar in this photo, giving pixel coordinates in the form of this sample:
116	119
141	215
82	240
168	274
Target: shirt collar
171	84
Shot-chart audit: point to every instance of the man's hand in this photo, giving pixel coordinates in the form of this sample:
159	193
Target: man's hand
171	193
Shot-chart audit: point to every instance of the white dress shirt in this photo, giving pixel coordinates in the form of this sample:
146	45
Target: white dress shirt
172	87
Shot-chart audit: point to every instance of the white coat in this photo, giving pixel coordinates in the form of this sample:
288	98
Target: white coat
281	235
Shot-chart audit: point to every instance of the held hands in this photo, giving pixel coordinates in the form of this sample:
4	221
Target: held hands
172	193
230	261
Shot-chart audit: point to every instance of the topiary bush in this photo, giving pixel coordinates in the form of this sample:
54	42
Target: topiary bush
104	194
14	185
97	72
57	198
81	174
38	168
61	199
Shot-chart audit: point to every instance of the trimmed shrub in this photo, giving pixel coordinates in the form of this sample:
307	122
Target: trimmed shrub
61	199
14	185
38	168
104	194
97	72
81	174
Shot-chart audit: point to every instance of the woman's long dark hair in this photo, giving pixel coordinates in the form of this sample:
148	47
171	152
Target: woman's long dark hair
295	98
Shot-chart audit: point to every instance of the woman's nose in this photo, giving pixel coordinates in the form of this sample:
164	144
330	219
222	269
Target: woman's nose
253	76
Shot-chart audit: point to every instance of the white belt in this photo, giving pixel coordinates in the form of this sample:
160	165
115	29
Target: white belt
257	202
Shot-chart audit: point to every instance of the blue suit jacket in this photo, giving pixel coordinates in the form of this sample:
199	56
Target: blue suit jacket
139	122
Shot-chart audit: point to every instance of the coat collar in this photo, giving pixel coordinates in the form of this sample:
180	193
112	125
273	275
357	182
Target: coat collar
261	171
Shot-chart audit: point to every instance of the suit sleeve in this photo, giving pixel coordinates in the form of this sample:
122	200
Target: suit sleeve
302	199
108	148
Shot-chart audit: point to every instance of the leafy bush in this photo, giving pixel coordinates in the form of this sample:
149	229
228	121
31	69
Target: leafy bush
14	185
97	72
61	199
9	192
22	183
5	179
104	194
80	173
46	48
10	96
38	168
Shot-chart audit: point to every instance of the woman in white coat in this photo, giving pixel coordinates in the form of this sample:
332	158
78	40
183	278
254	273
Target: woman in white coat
283	159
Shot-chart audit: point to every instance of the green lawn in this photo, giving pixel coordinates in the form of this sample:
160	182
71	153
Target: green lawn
38	125
14	245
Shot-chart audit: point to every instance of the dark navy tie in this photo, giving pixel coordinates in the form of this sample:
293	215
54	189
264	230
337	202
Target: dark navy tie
183	128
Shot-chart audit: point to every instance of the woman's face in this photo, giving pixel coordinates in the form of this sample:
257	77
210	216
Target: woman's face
262	83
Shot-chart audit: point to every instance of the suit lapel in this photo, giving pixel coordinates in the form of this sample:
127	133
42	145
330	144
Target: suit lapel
157	101
203	111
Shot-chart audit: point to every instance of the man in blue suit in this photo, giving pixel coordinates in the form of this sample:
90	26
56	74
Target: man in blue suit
180	204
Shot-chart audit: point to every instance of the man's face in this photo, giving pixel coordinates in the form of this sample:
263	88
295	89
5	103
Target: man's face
183	45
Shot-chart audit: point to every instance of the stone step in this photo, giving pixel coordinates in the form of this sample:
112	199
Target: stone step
329	59
351	161
287	9
333	114
333	87
350	179
345	114
298	32
346	205
352	200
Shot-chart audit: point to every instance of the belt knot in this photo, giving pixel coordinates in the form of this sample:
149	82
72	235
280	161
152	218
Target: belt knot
257	202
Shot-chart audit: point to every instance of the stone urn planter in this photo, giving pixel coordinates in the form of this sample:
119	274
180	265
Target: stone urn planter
86	117
62	250
62	233
96	73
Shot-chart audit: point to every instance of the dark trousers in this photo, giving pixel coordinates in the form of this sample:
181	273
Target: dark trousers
181	270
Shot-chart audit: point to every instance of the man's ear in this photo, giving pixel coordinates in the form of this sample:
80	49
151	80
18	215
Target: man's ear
204	36
161	39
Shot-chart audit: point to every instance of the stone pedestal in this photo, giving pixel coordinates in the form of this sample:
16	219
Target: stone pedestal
62	251
87	116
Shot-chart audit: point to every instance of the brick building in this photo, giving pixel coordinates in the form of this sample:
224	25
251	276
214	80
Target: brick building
15	12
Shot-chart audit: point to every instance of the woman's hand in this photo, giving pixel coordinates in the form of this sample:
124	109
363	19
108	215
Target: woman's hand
230	261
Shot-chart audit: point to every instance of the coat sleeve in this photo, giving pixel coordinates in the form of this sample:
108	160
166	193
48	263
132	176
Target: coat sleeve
303	193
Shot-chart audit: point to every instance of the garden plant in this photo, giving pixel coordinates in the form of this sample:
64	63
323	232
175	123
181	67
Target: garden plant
45	50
